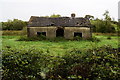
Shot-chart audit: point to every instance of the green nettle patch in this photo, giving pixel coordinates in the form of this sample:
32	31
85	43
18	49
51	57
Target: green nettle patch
32	64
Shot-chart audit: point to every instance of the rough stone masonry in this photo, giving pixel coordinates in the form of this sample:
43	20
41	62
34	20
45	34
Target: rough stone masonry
67	27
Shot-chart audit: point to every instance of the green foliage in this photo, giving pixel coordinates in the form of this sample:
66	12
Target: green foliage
99	63
105	25
22	32
94	39
109	38
23	64
34	38
59	46
92	64
10	32
55	15
107	16
90	17
78	38
41	38
13	25
57	39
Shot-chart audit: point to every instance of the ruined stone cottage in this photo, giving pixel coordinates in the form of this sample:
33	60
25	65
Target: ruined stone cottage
67	27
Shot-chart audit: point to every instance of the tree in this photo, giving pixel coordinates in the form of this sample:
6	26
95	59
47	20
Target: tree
107	16
89	17
103	25
13	25
55	15
108	24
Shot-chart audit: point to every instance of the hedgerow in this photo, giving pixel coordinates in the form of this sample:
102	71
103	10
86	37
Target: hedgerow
92	64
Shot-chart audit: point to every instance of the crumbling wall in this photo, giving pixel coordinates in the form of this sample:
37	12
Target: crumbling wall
50	31
69	32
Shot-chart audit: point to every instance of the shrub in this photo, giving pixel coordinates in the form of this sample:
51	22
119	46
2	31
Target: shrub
99	63
34	38
109	38
78	38
57	39
9	32
103	26
94	39
24	31
13	25
41	38
24	64
92	64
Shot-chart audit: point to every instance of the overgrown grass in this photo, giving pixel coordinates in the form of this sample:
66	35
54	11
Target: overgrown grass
60	46
57	39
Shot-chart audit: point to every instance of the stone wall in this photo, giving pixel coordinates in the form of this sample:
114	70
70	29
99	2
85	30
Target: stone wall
68	31
50	31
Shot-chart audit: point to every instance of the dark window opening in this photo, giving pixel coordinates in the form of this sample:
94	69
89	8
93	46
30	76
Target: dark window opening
77	34
60	32
52	24
77	24
41	33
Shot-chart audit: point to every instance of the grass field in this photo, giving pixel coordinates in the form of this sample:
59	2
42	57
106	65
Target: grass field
60	47
28	60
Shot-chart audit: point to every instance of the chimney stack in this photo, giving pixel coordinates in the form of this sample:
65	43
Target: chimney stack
73	15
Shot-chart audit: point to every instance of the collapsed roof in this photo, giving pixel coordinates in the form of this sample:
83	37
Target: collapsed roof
60	21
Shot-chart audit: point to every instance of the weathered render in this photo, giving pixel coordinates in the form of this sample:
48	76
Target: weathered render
67	27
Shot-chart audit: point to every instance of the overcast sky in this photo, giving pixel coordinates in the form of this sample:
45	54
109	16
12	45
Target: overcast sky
23	9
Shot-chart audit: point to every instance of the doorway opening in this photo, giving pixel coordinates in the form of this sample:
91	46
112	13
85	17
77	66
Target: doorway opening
60	32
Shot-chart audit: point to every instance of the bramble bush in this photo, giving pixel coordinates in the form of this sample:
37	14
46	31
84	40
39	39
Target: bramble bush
93	64
33	64
23	64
